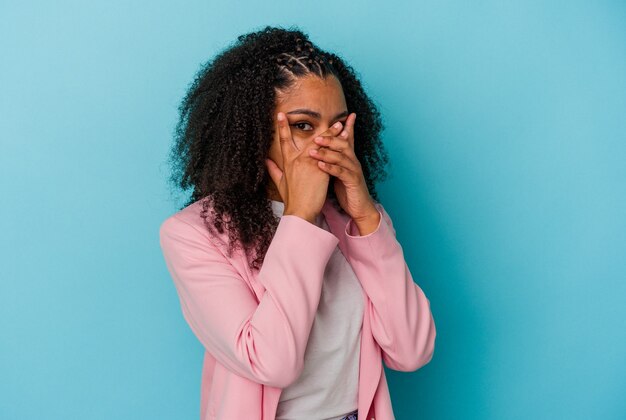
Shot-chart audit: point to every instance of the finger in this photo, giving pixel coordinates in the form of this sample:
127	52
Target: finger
287	145
275	173
346	175
348	131
336	143
333	130
333	157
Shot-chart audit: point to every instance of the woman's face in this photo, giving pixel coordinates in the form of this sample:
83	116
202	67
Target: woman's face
312	105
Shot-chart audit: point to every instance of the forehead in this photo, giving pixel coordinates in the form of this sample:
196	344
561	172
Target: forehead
313	92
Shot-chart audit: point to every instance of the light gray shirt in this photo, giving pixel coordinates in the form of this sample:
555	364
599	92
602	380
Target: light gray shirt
328	386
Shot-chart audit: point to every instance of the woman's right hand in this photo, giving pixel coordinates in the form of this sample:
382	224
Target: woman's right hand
302	185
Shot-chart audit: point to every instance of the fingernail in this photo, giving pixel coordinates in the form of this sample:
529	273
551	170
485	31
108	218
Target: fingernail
280	117
337	125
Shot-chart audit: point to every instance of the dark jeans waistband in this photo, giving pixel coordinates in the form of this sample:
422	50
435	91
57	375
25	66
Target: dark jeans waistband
351	416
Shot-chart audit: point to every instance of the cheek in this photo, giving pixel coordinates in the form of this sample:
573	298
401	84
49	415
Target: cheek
302	139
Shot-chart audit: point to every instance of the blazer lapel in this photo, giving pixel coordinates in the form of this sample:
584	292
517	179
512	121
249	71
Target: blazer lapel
370	364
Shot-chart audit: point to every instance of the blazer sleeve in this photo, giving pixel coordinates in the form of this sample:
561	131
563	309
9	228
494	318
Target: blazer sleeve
402	322
264	340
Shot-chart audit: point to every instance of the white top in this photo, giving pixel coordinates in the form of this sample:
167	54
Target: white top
328	386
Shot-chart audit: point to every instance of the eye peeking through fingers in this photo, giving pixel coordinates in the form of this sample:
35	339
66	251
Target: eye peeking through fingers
300	124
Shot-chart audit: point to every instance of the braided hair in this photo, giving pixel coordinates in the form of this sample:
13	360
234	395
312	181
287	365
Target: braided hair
225	130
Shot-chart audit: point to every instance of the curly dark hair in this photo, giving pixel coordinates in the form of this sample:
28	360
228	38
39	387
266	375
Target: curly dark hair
226	129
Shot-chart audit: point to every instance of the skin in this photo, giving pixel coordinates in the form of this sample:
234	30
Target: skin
331	147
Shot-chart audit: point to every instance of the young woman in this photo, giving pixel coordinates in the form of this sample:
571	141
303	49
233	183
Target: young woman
287	268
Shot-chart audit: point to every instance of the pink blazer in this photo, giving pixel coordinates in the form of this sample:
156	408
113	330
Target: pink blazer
255	327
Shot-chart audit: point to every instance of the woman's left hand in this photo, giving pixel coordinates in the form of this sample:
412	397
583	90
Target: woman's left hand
336	156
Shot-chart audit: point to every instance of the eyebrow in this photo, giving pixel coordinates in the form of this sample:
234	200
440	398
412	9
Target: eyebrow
314	114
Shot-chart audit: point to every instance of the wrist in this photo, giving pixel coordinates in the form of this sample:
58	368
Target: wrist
306	216
368	224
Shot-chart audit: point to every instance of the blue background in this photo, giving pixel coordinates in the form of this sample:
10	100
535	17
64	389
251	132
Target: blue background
507	134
